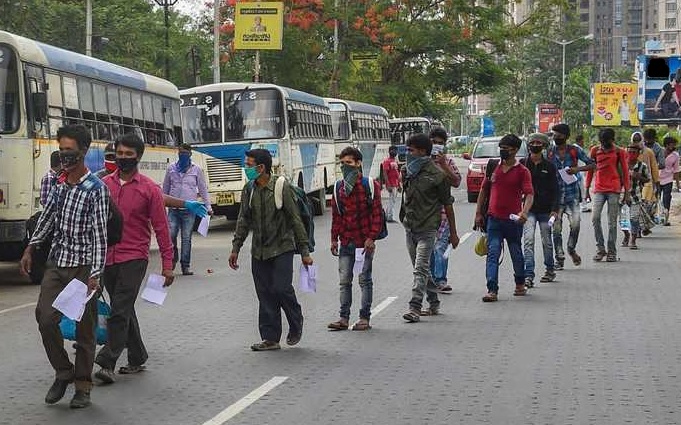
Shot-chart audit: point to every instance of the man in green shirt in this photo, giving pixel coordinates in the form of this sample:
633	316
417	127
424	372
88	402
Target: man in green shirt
277	232
426	191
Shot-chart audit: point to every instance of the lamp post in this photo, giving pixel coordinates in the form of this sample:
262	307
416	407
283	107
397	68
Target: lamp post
564	43
166	4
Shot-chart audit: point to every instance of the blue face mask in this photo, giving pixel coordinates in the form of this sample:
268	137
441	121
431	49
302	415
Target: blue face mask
184	160
252	173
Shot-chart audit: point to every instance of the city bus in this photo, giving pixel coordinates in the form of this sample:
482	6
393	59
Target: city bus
225	120
402	128
43	88
363	126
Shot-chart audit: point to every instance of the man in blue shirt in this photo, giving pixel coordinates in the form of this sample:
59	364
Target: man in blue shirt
566	157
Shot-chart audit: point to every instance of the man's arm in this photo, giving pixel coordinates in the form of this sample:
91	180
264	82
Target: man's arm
625	170
528	191
159	222
590	173
451	172
555	188
45	186
203	190
589	163
101	215
292	212
46	222
243	222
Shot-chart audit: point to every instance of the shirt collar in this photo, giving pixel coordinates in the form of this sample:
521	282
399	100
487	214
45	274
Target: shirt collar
117	177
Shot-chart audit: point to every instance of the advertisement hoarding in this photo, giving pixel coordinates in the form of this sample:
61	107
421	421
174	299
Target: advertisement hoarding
259	26
614	105
546	116
659	89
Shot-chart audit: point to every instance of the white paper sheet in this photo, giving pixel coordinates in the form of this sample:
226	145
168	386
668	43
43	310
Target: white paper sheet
447	251
203	226
308	278
567	178
154	291
359	261
72	299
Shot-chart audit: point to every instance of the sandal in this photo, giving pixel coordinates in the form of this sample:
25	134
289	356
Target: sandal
361	325
431	311
611	257
129	369
412	316
266	346
489	298
340	325
633	246
520	291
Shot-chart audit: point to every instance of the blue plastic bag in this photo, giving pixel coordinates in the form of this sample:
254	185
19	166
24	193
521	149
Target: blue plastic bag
68	326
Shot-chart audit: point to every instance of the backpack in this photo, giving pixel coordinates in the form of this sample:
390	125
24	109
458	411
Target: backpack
574	154
368	184
304	206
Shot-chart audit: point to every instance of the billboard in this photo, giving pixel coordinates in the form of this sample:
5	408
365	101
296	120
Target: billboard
259	26
659	89
546	116
614	104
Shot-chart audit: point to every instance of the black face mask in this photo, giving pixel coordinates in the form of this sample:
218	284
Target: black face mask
504	154
126	164
536	149
393	154
69	158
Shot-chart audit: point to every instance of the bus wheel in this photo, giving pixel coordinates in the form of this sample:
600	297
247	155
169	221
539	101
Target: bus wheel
318	201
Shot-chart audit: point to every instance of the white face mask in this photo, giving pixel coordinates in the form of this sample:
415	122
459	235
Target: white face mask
437	150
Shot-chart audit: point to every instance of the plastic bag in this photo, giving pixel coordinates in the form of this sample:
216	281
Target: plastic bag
481	244
625	217
68	326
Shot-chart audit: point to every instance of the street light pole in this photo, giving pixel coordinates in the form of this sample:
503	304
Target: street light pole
564	44
88	27
166	4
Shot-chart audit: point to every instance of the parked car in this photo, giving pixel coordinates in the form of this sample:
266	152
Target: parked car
485	149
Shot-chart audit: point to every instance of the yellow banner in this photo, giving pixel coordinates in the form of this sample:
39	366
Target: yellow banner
614	104
259	26
366	64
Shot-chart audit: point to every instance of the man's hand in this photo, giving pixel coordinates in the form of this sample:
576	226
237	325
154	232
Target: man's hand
522	217
627	198
196	208
234	261
334	248
479	221
92	285
170	277
573	170
441	159
453	239
210	212
369	246
26	261
587	196
307	260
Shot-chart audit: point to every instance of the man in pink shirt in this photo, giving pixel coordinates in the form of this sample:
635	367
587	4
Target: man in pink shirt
140	202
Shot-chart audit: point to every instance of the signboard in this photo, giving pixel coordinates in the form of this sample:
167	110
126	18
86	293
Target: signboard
546	116
614	104
366	65
659	89
259	26
486	127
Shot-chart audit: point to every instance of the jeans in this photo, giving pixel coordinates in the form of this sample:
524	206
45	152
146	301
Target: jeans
274	286
573	213
123	281
497	231
546	241
438	263
667	196
346	263
181	221
392	200
420	246
599	201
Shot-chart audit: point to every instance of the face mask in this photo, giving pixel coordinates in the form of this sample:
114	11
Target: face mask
504	154
252	173
110	166
126	164
69	158
536	149
437	150
184	159
349	171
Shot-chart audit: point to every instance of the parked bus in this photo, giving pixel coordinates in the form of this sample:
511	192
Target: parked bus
225	120
43	88
402	128
363	126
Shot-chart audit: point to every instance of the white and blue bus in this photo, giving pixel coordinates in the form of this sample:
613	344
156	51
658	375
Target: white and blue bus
402	128
225	120
43	88
363	126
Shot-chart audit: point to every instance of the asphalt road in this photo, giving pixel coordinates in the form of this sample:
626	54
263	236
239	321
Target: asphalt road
601	345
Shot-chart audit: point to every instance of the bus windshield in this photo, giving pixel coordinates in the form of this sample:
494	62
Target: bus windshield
253	114
201	117
339	121
9	91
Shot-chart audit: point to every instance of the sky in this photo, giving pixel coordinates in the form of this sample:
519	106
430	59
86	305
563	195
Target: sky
190	7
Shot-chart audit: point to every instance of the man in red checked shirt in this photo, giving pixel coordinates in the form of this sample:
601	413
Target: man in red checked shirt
357	221
393	181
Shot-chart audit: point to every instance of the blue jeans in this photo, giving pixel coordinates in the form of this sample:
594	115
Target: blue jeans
599	201
346	263
438	263
420	246
512	232
573	212
181	221
546	242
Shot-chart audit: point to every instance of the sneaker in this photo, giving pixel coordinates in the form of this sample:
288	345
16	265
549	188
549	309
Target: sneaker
56	391
80	400
430	311
412	316
611	257
600	255
187	272
529	282
549	276
444	289
266	346
105	375
560	264
576	259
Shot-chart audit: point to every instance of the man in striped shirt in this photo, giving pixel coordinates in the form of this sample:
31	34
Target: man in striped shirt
75	216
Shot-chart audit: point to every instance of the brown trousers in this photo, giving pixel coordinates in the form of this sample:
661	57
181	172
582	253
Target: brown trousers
54	281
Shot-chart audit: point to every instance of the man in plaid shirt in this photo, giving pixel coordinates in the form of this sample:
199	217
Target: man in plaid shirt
50	178
76	217
357	222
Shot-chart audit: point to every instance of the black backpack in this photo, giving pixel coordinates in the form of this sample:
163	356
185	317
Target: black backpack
492	165
114	221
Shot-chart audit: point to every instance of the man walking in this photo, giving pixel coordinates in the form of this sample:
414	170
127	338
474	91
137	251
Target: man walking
426	192
356	223
184	180
439	261
75	216
506	214
392	179
544	208
140	201
277	231
612	174
50	178
566	157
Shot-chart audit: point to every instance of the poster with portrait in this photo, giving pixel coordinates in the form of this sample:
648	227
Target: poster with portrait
259	26
614	105
659	88
546	116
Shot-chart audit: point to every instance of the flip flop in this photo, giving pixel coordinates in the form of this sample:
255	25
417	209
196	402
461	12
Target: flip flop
129	370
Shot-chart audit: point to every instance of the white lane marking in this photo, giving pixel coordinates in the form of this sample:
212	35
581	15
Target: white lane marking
19	307
242	404
382	306
463	238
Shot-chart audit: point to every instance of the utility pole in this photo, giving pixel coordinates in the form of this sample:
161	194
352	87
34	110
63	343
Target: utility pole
88	27
216	41
166	4
336	42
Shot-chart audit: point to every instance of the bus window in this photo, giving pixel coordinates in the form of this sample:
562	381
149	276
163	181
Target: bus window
201	117
256	114
9	91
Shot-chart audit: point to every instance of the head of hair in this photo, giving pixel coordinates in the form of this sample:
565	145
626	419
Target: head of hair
352	152
438	132
133	141
540	137
420	141
110	147
650	134
261	157
77	132
55	161
579	138
511	140
392	149
561	128
669	140
606	134
185	146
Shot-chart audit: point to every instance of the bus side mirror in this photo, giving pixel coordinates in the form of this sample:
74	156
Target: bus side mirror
39	102
292	119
